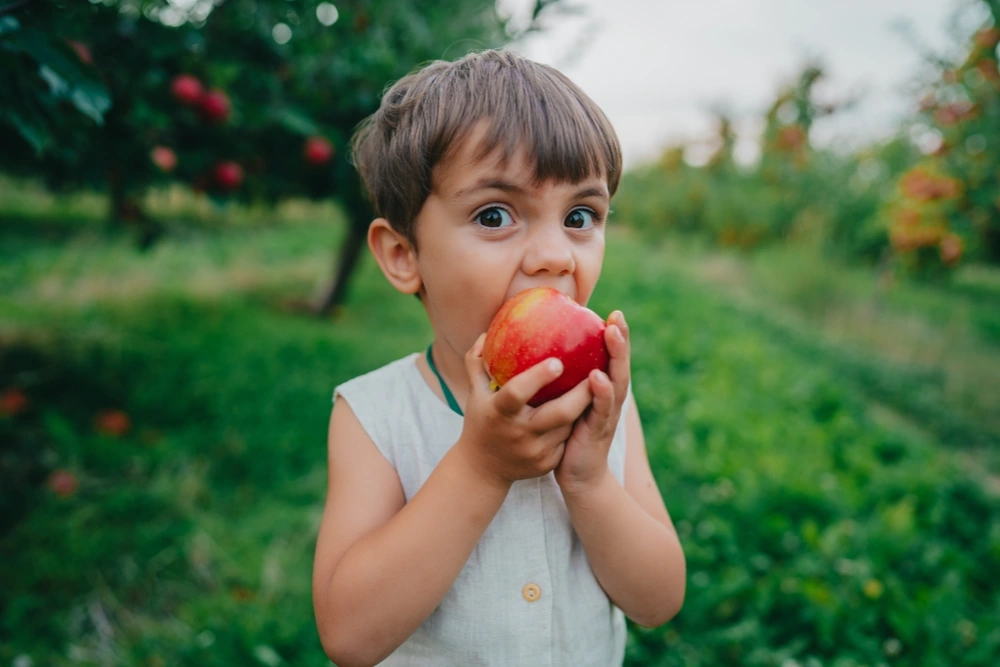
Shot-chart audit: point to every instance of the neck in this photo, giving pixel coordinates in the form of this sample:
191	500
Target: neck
451	365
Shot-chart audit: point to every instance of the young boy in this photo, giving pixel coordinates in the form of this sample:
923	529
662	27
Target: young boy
462	526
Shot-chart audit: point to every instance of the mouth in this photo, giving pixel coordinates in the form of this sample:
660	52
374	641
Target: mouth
569	291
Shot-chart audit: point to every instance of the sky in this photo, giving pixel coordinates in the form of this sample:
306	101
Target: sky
659	67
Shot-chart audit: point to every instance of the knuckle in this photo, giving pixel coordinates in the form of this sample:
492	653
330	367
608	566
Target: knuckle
538	456
541	461
501	401
508	408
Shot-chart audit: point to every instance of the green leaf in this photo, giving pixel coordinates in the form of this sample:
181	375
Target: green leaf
66	78
62	434
8	24
33	131
57	85
296	121
91	102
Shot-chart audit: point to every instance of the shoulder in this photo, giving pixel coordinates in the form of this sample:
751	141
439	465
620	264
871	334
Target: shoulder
390	376
384	402
391	385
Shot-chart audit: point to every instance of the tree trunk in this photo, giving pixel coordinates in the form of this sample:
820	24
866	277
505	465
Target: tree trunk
991	242
125	208
347	260
359	215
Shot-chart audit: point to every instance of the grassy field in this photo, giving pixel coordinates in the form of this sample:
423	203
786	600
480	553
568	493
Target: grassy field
826	441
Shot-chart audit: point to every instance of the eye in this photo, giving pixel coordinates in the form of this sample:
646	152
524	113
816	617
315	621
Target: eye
494	217
581	218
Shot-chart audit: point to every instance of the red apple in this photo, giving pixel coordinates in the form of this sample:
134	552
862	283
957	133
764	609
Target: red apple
164	158
317	150
12	402
214	106
228	175
988	38
540	323
112	422
951	249
63	483
82	51
187	89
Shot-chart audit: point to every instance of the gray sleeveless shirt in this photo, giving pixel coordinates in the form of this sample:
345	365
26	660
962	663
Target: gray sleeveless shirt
527	595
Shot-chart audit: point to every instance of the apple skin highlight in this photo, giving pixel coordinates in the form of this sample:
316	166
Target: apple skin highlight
540	323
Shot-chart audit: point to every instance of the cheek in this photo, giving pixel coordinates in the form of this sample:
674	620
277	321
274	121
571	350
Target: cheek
464	290
588	270
458	270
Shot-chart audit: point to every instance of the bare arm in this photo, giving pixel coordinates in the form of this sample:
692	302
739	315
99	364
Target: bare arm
628	536
383	565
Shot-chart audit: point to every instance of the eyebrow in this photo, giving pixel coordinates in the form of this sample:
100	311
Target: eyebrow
507	186
490	184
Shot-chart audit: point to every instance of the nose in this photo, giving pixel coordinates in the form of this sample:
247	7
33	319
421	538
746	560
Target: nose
549	252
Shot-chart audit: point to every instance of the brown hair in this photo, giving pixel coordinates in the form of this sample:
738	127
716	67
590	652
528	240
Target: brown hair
427	113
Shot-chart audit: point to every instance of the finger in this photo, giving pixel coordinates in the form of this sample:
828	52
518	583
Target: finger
559	449
563	410
474	367
604	406
620	351
618	319
519	389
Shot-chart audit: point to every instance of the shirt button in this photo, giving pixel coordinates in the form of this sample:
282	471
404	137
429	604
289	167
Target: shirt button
531	592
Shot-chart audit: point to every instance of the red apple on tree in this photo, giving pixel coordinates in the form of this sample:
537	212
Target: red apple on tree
12	402
186	89
317	150
82	51
988	38
214	106
540	323
228	175
112	422
951	249
164	158
63	483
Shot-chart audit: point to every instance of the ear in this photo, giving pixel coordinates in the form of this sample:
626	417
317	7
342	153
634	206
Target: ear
395	256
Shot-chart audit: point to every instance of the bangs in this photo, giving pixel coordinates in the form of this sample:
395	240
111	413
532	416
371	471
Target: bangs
527	105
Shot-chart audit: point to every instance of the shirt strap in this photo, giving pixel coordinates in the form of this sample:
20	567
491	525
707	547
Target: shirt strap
448	396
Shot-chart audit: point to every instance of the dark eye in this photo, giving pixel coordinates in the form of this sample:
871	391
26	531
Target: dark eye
580	218
494	218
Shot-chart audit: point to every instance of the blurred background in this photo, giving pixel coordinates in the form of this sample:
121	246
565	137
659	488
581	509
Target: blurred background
806	243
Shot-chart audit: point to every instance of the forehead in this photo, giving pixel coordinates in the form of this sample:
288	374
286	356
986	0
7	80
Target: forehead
465	166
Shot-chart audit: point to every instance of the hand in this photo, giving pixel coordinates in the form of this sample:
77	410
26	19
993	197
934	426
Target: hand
504	438
585	460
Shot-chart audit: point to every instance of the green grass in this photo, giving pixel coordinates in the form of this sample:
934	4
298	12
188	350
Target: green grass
836	501
928	352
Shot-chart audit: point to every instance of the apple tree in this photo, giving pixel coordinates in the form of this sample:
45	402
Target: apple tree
249	100
947	207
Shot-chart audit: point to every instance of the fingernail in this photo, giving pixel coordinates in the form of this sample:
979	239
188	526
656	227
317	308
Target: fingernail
619	335
555	366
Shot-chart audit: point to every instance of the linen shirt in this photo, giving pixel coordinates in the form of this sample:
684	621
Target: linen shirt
527	595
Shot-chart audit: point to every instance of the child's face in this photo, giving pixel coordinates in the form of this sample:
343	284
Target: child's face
486	233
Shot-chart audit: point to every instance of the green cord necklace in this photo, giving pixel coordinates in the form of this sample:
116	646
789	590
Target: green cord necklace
452	403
